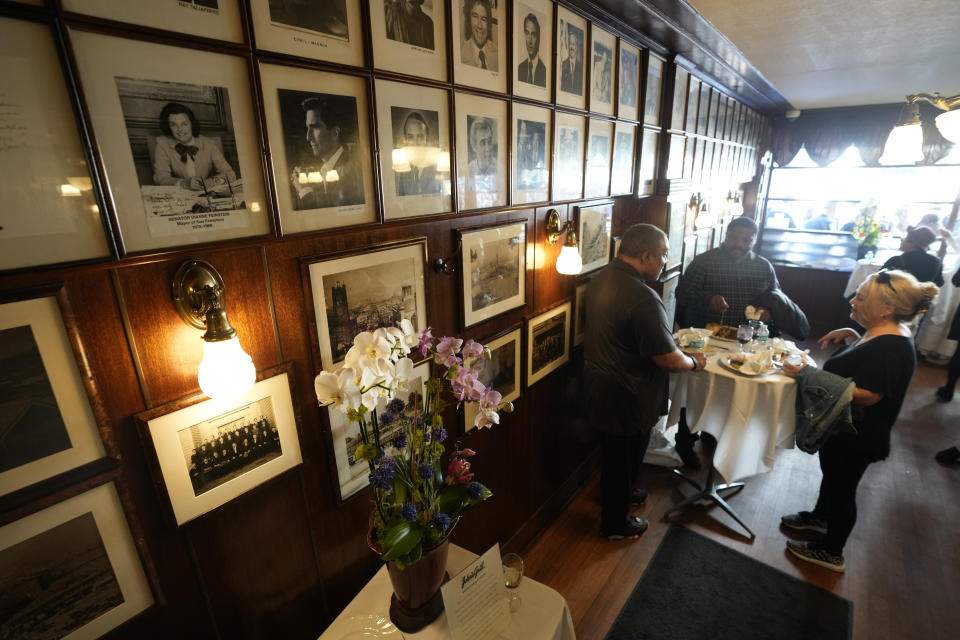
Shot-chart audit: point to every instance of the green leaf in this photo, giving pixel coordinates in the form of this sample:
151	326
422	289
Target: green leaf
410	558
399	539
453	499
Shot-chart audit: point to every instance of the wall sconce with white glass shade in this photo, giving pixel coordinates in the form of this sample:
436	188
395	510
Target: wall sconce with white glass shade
199	296
569	262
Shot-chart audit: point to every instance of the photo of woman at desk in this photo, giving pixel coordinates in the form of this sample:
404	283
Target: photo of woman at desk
184	158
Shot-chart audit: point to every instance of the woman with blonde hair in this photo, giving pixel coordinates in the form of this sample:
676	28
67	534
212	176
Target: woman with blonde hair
880	362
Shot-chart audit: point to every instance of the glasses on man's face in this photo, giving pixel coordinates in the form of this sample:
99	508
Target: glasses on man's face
883	277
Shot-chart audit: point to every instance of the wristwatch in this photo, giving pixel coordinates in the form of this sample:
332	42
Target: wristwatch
694	361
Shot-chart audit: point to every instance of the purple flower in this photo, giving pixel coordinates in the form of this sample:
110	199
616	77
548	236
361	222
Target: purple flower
388	466
472	349
425	470
439	434
474	490
426	340
409	512
446	351
441	522
386	418
378	481
400	441
395	406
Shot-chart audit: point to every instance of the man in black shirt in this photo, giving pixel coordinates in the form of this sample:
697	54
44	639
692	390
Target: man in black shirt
629	350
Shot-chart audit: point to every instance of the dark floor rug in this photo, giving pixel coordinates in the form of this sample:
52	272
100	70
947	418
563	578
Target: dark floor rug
695	588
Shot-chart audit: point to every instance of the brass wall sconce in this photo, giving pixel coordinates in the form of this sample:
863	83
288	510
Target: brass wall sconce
199	296
569	262
905	142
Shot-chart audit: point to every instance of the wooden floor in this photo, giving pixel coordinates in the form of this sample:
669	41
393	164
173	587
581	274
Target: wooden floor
903	558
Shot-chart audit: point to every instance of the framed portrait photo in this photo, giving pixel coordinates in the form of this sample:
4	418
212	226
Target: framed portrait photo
414	133
330	30
479	44
481	152
599	155
651	106
624	151
548	342
177	134
322	160
409	36
704	109
595	223
628	76
678	145
207	452
680	82
603	46
363	292
570	139
87	578
217	19
669	297
580	314
571	51
649	150
676	227
693	104
501	372
531	153
533	49
494	271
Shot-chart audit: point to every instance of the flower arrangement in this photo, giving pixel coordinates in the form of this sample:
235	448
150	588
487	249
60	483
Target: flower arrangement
867	229
415	502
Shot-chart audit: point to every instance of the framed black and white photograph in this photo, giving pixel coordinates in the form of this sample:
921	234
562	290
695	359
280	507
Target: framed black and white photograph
703	109
603	46
624	151
218	19
693	105
532	153
651	106
681	80
599	155
649	149
494	271
207	452
501	372
409	36
72	569
571	52
322	160
689	250
177	134
570	139
481	152
479	44
580	314
533	49
669	298
548	342
628	75
366	291
330	30
47	423
595	224
676	227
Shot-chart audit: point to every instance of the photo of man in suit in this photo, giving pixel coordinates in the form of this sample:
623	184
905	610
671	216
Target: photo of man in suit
532	70
478	48
418	140
571	72
407	22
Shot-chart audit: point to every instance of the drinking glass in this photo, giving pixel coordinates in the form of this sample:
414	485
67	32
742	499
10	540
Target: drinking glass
512	575
744	335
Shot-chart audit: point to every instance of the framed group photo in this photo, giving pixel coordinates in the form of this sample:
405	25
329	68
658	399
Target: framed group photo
501	371
571	52
595	223
479	43
410	36
217	19
532	154
482	152
331	30
599	150
548	342
628	74
570	139
603	46
494	271
533	50
624	151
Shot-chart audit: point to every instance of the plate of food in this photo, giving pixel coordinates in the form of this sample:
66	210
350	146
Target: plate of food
735	361
722	331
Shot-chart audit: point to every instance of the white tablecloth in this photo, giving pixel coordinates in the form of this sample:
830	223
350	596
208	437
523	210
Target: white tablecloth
543	613
863	269
932	339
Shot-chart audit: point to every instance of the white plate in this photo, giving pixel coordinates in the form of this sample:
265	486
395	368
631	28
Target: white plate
725	362
364	627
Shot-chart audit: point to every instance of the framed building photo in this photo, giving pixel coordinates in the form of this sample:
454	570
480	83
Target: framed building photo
533	49
677	117
47	424
414	135
207	452
330	30
494	271
410	36
366	291
570	139
571	52
649	149
500	372
603	46
72	569
322	157
479	44
548	342
580	314
482	152
669	297
38	129
599	154
531	153
624	151
628	75
177	134
217	19
595	223
651	106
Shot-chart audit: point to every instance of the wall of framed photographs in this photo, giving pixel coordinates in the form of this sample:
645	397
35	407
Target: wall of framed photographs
296	150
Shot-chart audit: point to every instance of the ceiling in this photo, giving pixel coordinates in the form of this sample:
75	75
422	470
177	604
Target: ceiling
831	53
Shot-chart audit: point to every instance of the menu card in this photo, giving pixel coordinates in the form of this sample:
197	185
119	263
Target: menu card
476	600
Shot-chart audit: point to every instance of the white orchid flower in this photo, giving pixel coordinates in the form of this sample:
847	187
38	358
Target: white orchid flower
411	337
327	387
486	419
373	345
403	372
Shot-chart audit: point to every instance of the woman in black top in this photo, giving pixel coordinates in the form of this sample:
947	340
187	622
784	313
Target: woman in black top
881	363
915	258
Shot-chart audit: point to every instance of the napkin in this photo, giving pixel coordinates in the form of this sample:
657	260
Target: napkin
686	337
757	363
751	312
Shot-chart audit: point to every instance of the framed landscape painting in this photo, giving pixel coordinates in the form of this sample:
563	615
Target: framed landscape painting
494	271
501	372
594	235
410	37
330	30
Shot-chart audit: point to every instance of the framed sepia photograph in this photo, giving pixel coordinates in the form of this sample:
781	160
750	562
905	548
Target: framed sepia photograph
217	19
366	291
651	106
479	44
571	52
649	149
594	226
409	36
531	153
207	452
580	314
43	162
624	151
677	117
533	49
603	46
414	135
330	30
676	227
628	74
669	297
47	423
322	160
500	372
548	342
494	271
71	569
177	133
482	152
570	139
599	155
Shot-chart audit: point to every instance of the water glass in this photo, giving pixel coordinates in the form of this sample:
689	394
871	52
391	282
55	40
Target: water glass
512	575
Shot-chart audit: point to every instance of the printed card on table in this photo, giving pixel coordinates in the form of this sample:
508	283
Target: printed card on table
476	600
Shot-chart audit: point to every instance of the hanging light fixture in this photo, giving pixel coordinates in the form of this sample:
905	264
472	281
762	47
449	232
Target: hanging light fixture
948	122
905	142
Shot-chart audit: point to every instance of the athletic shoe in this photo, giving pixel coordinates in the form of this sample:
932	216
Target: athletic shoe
808	552
945	394
638	496
804	521
633	527
689	456
948	456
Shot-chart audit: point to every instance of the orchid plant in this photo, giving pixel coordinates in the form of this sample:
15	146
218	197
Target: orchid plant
415	502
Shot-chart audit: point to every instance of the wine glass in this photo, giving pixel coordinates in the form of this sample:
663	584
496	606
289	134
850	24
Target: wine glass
744	335
512	575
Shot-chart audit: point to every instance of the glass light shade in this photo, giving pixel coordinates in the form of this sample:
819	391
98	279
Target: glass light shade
949	125
226	370
569	262
904	145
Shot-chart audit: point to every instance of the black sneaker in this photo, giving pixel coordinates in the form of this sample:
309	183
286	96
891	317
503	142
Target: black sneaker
945	394
632	528
809	552
804	521
689	456
638	496
948	456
